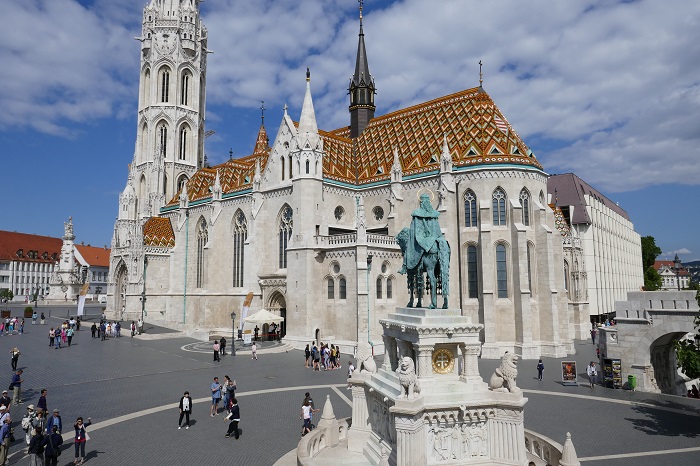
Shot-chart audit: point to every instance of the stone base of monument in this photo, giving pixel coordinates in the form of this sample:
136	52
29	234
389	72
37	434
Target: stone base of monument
428	405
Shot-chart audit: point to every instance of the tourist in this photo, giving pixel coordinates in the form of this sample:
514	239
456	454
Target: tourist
307	355
351	369
69	335
14	352
139	326
77	324
592	374
81	438
254	351
52	336
36	448
593	335
103	330
5	433
185	407
234	416
307	397
39	420
21	326
93	329
34	317
71	323
5	400
316	355
306	413
216	351
52	446
133	328
118	329
17	387
215	397
256	331
54	421
27	423
57	338
540	370
222	344
42	319
64	337
229	390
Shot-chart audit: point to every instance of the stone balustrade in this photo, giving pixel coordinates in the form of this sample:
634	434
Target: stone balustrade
316	441
542	450
350	239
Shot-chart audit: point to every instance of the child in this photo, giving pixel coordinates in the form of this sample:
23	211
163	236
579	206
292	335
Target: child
351	369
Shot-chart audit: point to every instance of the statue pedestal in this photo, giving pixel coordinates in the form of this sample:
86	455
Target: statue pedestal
441	413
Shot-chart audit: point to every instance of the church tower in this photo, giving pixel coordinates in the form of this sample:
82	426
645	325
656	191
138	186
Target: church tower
170	133
361	89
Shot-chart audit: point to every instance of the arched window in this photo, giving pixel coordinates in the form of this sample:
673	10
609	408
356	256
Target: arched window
165	184
285	233
181	182
164	85
290	167
389	288
525	204
501	271
342	290
499	207
202	239
146	96
379	288
282	160
331	288
566	276
472	272
183	143
185	88
240	234
162	139
469	208
307	167
542	197
529	268
144	142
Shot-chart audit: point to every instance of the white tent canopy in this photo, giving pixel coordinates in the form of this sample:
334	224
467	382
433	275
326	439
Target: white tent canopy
263	316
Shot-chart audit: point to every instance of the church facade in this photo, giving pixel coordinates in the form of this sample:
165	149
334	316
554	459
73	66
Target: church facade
306	224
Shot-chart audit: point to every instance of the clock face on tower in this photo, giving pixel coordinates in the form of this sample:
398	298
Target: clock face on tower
443	361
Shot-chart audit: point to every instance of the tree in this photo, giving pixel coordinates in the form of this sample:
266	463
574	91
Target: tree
6	294
650	251
652	279
688	355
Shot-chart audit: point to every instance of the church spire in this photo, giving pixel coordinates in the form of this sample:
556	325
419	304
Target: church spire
308	130
361	88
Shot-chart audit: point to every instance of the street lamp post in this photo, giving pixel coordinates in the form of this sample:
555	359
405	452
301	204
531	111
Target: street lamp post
677	266
143	307
233	334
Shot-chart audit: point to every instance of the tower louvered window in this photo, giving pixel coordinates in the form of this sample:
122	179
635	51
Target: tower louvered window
202	239
469	208
499	207
501	271
183	144
185	89
240	234
285	233
165	86
162	139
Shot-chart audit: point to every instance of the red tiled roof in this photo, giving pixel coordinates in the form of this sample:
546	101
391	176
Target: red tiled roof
158	232
11	242
671	265
96	257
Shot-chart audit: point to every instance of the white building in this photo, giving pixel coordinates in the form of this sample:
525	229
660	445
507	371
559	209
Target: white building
670	280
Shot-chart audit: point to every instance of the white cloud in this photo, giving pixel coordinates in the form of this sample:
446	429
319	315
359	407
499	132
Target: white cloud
613	85
682	251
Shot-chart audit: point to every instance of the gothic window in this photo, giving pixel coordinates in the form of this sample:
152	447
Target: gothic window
162	139
501	271
378	213
343	289
202	239
282	160
164	85
307	167
240	234
183	143
185	89
541	197
566	276
379	288
525	204
472	272
144	141
389	288
146	96
181	182
290	166
165	184
339	212
285	233
331	288
529	267
499	207
469	208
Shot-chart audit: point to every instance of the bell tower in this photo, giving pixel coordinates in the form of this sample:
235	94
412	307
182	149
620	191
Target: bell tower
170	133
361	89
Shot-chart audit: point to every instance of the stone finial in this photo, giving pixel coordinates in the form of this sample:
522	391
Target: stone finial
328	409
568	454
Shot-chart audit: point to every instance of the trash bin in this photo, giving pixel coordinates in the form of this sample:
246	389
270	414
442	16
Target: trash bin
632	381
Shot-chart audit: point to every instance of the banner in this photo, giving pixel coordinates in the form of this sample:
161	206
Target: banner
568	373
245	308
81	298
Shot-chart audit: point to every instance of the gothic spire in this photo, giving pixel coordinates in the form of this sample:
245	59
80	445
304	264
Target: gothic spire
308	130
361	88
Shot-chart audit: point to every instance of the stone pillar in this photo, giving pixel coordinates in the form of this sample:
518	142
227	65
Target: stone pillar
470	365
360	430
424	354
410	440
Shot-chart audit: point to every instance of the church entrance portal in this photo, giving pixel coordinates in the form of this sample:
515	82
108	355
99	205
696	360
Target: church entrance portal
278	305
663	360
120	290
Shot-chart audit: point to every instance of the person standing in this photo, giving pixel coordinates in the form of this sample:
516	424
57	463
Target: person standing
234	416
57	338
215	397
28	423
5	400
36	448
14	352
351	369
52	335
593	332
307	355
41	404
133	328
54	421
93	329
592	374
81	437
103	330
185	410
34	316
17	387
254	351
222	344
256	332
216	351
140	326
43	319
540	370
69	335
5	433
52	446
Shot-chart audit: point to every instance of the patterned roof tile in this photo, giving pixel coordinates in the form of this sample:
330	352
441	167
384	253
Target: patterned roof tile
158	232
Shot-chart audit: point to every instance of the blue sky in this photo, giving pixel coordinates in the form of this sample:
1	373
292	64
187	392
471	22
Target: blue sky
608	90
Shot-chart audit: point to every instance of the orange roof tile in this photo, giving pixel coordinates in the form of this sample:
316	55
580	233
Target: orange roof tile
158	232
11	242
94	256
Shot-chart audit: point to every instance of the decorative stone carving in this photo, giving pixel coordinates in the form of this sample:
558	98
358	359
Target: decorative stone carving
407	376
503	379
365	361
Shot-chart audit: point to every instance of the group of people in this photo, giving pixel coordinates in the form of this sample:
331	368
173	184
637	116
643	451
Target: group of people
322	357
12	325
219	392
219	348
106	329
693	392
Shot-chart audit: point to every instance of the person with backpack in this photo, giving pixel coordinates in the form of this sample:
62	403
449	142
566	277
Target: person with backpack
28	423
52	446
36	448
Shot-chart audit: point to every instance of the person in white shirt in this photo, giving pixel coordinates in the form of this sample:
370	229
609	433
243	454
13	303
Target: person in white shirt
351	369
592	374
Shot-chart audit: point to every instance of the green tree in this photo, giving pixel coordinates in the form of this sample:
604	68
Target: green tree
652	279
650	251
6	294
688	355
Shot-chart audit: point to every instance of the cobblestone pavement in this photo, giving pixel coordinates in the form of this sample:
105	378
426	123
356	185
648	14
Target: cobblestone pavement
130	387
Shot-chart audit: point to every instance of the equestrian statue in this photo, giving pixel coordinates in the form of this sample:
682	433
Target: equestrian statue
425	251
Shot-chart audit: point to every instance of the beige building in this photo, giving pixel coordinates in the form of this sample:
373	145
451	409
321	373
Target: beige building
307	223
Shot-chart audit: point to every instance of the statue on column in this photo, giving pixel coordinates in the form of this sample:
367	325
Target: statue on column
425	251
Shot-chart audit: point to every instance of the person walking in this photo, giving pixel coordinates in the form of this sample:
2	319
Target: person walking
215	397
133	328
592	374
307	355
81	438
185	410
306	412
17	387
52	446
43	319
57	338
34	317
28	423
36	448
69	335
307	397
41	404
593	332
234	416
222	344
93	329
5	433
540	370
216	351
14	352
254	351
52	335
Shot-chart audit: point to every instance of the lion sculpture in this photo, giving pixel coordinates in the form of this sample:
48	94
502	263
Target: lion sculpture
503	379
365	360
407	376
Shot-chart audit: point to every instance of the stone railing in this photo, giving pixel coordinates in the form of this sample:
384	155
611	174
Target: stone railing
541	450
316	441
350	239
381	240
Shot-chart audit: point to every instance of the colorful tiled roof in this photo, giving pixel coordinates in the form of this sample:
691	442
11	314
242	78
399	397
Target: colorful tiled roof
158	232
559	221
34	248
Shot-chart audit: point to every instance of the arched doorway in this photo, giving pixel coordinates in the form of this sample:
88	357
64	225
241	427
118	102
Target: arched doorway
278	305
120	290
663	360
